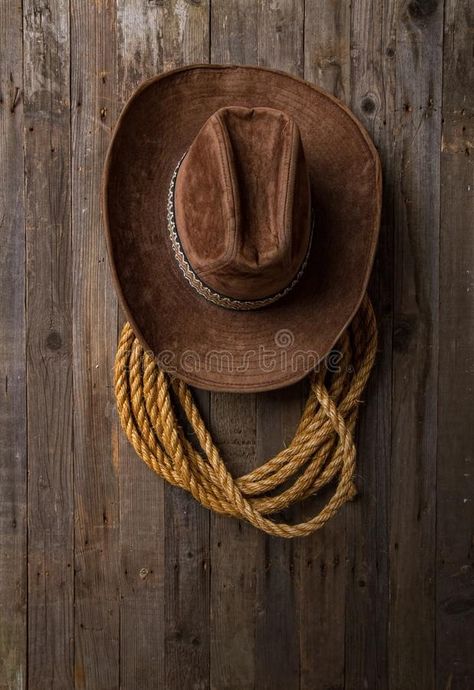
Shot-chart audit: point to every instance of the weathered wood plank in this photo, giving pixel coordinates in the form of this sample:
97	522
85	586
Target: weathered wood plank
280	38
142	527
373	101
353	606
186	33
280	45
415	347
97	558
278	582
13	615
455	471
49	379
327	44
322	556
234	545
234	32
187	571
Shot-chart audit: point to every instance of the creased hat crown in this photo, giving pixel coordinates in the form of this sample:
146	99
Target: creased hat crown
242	203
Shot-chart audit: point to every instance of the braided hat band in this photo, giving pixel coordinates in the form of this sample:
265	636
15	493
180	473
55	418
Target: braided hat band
322	451
196	283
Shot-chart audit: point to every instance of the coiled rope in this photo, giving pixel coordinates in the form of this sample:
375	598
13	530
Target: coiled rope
151	406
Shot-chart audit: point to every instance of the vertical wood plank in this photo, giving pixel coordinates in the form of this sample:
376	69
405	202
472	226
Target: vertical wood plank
142	528
281	35
327	47
49	379
234	545
455	473
278	579
280	45
234	32
322	556
187	572
13	625
311	613
234	553
94	104
185	33
373	82
415	345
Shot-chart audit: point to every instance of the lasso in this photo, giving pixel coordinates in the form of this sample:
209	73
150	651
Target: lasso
322	449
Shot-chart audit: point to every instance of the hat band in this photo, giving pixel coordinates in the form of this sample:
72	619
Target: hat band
204	290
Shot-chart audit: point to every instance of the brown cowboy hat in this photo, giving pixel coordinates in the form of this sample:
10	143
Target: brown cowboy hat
242	208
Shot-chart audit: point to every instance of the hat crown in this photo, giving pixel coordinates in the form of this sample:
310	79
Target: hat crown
242	203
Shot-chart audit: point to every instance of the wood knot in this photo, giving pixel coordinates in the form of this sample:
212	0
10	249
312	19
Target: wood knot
368	105
422	9
54	341
403	333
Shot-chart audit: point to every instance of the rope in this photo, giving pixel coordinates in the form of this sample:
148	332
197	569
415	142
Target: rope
152	406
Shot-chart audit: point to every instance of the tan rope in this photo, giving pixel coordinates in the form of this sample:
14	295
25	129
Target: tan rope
151	406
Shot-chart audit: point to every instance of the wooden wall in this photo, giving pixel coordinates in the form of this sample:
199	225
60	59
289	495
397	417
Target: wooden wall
108	578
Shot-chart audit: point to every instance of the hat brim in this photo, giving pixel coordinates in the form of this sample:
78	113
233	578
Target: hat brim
206	345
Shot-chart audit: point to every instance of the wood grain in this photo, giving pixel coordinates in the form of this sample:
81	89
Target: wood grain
415	344
96	461
322	558
327	43
108	577
277	625
142	526
373	88
49	342
234	554
187	564
455	468
234	545
13	450
280	44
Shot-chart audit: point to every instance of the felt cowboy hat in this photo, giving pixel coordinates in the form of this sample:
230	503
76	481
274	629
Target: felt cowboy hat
241	208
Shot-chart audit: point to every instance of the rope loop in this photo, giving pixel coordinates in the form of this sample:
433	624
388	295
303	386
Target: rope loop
152	405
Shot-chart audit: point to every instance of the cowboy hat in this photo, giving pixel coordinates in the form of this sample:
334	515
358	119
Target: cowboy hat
241	208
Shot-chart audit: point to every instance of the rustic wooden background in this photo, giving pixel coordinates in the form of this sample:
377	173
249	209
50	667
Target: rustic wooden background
108	578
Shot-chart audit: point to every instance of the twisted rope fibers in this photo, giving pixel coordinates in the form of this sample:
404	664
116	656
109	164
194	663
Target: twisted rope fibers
151	403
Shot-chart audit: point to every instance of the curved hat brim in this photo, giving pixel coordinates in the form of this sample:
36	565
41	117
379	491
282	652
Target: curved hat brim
204	344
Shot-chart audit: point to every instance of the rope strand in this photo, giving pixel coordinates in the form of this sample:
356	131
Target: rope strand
322	450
